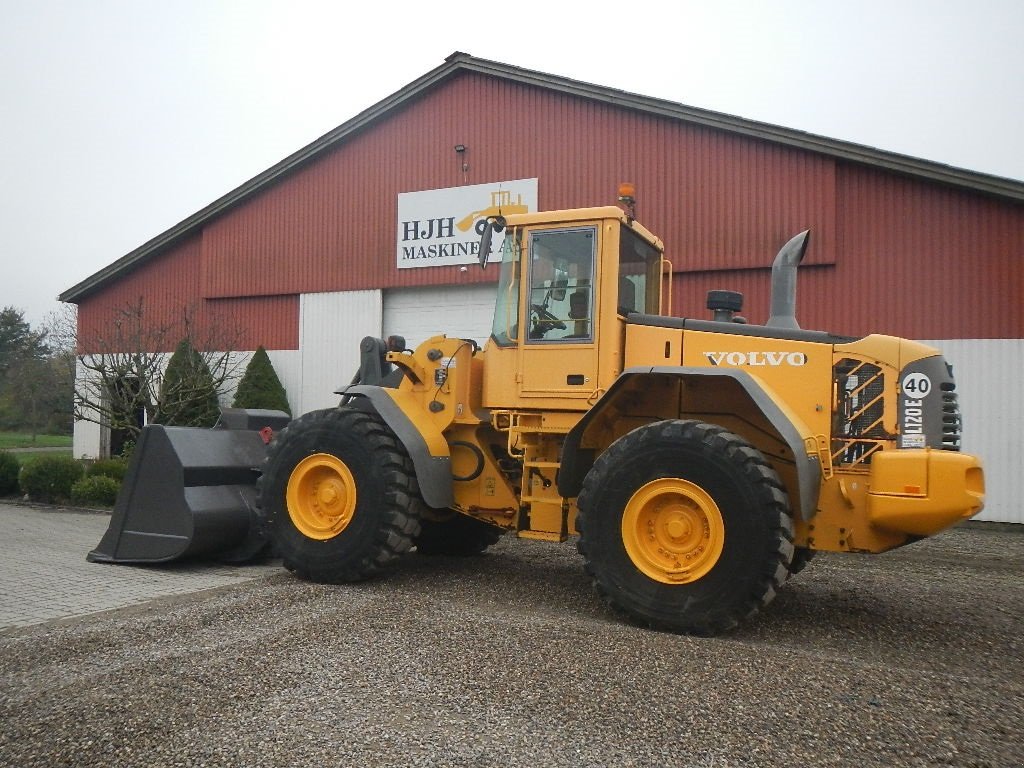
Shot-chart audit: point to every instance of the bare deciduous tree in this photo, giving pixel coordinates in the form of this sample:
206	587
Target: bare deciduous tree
121	372
60	327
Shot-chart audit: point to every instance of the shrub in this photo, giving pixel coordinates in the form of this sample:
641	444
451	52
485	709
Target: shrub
126	451
96	489
112	468
260	386
9	467
49	478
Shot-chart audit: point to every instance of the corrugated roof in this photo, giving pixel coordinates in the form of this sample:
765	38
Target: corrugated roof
461	62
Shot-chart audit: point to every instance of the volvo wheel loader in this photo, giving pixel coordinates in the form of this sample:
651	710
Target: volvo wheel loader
700	462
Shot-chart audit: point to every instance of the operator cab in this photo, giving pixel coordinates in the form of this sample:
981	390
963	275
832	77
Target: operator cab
569	279
560	269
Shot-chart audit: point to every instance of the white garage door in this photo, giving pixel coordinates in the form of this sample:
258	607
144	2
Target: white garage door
459	311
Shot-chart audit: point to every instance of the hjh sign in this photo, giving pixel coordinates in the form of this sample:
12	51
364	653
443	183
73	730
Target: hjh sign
441	227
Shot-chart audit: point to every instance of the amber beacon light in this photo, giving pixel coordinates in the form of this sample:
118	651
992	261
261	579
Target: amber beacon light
627	196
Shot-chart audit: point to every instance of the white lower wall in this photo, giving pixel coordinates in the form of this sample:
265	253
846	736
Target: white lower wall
87	436
989	374
87	441
331	325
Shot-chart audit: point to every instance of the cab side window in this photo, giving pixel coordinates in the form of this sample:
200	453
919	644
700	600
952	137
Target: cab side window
639	267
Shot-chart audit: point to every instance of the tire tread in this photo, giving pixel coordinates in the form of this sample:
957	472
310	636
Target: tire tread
773	571
399	514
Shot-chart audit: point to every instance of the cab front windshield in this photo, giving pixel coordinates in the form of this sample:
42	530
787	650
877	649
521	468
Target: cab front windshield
506	306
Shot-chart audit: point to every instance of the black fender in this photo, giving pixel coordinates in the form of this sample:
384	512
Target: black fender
577	460
433	471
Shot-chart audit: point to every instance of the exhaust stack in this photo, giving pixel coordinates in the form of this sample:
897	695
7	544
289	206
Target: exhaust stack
783	310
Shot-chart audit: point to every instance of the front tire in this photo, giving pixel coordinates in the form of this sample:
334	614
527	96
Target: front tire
685	526
338	496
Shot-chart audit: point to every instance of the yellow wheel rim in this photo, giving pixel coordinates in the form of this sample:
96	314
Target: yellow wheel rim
673	531
321	496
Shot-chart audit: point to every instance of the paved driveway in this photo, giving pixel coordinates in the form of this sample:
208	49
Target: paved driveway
45	575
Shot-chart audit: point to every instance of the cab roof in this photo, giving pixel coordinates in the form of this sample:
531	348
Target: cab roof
578	215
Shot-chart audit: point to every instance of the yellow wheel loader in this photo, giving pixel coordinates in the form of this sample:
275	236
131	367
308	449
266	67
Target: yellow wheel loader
700	462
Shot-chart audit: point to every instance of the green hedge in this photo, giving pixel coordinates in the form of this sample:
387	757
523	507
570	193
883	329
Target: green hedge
95	490
9	468
49	478
112	468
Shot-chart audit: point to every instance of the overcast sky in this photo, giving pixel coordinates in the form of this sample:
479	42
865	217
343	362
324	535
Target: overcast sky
123	117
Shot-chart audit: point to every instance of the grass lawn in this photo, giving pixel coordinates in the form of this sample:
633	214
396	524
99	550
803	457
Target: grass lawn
24	440
26	456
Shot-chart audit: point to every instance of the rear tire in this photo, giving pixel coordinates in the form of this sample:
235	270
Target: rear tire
459	536
338	496
685	526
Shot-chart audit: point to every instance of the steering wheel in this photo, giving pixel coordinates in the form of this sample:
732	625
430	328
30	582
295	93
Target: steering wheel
545	321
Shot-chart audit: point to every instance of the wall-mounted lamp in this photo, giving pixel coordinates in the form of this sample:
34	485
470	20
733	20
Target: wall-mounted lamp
460	150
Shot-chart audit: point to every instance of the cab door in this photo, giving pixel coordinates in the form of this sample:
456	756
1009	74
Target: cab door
559	344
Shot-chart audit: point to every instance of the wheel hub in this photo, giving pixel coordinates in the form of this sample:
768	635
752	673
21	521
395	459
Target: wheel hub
677	528
673	531
321	496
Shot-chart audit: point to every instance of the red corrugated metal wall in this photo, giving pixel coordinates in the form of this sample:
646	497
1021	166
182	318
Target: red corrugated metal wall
928	262
331	226
167	289
890	254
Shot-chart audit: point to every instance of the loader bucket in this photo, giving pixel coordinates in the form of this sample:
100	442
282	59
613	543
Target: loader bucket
191	492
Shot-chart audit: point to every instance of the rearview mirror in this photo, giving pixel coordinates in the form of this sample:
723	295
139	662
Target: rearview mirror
494	224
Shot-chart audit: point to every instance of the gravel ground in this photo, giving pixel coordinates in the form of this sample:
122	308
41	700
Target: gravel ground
912	658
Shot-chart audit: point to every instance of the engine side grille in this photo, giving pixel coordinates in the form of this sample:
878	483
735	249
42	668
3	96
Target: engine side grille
951	421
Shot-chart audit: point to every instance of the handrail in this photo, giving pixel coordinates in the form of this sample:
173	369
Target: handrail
661	308
508	311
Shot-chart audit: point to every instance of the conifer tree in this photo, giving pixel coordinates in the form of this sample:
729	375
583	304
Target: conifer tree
260	386
188	394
